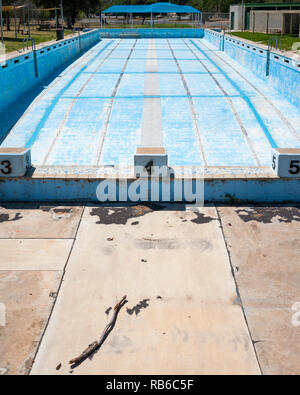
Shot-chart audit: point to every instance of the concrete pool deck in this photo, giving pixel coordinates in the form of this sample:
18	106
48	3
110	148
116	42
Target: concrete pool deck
211	291
203	107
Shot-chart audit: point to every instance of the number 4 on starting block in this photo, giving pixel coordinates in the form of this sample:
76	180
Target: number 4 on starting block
286	162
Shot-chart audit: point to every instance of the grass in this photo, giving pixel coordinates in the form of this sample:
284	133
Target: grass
13	44
287	39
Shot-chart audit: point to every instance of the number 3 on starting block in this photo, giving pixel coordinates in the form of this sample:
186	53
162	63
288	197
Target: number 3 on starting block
14	162
286	162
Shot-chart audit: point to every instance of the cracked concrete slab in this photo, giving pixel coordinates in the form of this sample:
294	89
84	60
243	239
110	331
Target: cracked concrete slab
30	220
182	314
27	254
264	247
28	298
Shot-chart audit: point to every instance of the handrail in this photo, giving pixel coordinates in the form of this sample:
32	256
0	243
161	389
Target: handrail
33	48
271	40
270	46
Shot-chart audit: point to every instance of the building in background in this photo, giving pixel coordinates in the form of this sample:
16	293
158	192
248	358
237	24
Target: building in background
266	17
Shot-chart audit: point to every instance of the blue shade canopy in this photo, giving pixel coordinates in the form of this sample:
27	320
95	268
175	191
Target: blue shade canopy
156	8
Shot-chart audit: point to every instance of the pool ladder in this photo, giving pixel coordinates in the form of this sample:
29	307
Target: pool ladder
33	48
270	46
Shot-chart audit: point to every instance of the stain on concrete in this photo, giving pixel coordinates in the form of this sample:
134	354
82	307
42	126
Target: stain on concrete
6	218
107	311
161	244
62	210
202	219
119	343
172	244
143	304
266	215
201	245
46	209
120	215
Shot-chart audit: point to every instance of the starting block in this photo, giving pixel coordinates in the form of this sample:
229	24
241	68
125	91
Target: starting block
14	162
148	157
286	162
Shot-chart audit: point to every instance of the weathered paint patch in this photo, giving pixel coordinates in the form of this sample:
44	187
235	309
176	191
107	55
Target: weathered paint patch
202	218
6	217
267	215
120	216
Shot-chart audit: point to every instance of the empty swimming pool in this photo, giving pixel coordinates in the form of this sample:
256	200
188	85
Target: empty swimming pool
203	107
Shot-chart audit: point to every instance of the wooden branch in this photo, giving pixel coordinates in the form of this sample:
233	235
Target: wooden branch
95	346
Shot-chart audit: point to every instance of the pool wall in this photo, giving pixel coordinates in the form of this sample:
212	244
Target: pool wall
18	75
215	190
284	72
155	33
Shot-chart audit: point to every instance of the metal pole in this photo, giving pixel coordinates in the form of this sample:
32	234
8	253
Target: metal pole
62	15
28	17
2	40
15	15
243	22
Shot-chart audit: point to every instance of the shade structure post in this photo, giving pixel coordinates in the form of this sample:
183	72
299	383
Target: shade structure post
151	21
1	17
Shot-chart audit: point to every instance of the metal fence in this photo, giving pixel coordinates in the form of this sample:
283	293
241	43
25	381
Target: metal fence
215	20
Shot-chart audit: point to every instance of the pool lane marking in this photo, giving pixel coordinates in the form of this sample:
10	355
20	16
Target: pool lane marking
151	129
278	112
190	98
55	100
72	104
110	107
232	106
244	97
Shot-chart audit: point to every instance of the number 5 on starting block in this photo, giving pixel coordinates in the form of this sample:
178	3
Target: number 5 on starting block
286	162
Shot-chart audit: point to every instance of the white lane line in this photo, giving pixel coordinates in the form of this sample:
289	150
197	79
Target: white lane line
71	106
152	134
110	108
192	107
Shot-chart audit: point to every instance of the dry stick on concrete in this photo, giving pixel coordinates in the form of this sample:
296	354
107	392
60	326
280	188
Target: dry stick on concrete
95	346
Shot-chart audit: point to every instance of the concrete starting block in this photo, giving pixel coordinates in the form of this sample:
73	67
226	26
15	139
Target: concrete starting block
14	162
286	162
148	157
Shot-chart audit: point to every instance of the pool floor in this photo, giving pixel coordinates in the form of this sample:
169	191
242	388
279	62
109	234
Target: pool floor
201	105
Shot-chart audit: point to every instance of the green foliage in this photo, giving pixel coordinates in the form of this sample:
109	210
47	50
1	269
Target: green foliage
287	40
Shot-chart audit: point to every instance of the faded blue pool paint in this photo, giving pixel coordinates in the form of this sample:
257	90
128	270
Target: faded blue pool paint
17	75
77	121
58	96
244	96
284	72
250	190
154	33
